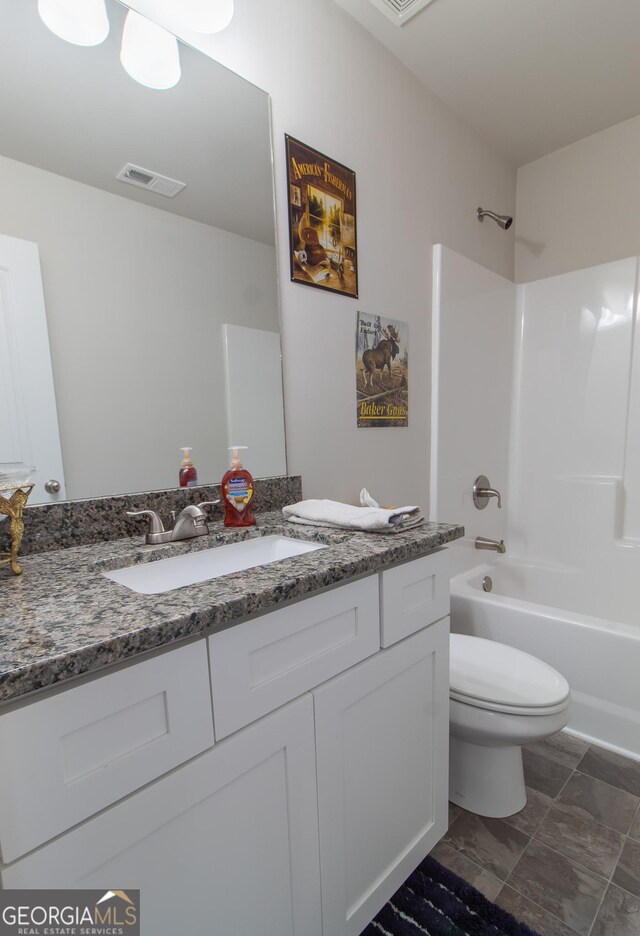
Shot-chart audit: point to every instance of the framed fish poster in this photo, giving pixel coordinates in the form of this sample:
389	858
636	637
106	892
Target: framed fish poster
382	371
322	220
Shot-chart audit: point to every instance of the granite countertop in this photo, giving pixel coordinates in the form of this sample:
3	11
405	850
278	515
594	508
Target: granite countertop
62	618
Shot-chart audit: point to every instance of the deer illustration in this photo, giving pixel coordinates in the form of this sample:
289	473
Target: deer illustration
376	358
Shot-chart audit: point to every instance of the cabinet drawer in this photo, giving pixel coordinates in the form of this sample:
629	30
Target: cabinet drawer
68	756
261	664
413	595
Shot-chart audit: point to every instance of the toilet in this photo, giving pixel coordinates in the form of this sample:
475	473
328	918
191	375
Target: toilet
499	699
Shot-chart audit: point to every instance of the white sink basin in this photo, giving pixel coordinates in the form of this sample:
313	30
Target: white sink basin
163	575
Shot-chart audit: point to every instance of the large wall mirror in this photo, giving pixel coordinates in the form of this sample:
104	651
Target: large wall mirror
162	312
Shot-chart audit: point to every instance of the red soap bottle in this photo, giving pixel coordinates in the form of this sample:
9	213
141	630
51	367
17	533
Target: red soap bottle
237	489
187	476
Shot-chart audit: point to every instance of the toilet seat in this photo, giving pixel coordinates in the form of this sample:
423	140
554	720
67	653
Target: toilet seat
499	678
529	710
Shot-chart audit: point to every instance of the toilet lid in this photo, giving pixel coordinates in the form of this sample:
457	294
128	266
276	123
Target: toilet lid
502	676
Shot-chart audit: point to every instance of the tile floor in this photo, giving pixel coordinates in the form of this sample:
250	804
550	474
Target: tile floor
569	863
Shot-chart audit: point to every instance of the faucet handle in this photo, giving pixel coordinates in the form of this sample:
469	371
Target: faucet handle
155	523
208	503
482	491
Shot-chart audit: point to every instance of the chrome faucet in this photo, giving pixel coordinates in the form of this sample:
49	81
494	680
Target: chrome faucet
482	491
191	521
483	543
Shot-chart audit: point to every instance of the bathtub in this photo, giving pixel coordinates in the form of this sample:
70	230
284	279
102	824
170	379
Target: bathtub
600	658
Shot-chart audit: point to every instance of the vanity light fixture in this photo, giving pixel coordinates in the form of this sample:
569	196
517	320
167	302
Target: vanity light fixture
203	16
207	16
82	22
149	53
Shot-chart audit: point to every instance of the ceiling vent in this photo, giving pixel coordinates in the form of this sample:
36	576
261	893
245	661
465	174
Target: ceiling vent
400	11
152	181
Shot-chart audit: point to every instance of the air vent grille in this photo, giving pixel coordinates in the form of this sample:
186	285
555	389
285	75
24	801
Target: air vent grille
134	175
400	11
152	181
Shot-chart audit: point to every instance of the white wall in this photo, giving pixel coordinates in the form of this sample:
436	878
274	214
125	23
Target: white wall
421	174
135	300
579	206
474	314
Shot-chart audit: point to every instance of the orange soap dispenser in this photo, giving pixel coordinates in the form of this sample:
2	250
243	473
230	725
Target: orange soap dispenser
187	476
237	493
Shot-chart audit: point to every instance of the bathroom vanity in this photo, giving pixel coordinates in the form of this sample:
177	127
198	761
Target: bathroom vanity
282	775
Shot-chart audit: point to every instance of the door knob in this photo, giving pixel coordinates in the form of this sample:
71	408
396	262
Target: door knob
52	486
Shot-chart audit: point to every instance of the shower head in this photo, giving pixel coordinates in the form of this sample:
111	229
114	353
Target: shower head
503	221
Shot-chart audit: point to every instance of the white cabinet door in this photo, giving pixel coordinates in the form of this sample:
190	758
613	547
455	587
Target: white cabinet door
227	844
28	416
382	741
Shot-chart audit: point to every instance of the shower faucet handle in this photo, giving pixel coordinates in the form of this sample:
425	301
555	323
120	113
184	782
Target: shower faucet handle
482	491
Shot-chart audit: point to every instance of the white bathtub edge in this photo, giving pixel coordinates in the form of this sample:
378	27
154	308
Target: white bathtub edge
598	742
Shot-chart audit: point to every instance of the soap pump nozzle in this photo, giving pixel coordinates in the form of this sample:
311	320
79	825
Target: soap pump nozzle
235	461
186	456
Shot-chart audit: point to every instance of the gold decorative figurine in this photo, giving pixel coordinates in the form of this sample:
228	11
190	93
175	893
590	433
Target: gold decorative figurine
12	507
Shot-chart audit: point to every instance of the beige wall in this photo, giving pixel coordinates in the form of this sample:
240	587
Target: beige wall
580	206
421	174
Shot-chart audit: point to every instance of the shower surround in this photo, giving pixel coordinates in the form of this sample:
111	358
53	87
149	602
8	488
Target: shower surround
575	444
556	369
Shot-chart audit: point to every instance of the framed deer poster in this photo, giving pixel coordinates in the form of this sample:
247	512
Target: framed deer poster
382	371
322	220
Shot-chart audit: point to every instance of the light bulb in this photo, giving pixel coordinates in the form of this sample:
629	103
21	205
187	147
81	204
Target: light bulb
83	22
204	16
149	53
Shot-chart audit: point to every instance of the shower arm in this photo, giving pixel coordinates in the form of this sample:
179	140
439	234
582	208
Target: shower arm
503	221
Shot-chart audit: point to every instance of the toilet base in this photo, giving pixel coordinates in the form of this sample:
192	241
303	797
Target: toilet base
488	781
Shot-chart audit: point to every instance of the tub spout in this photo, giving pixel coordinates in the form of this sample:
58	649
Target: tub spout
484	543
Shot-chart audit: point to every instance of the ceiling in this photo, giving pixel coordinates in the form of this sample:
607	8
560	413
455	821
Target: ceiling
530	76
74	111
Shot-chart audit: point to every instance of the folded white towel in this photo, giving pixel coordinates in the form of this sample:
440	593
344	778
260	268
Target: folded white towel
328	513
